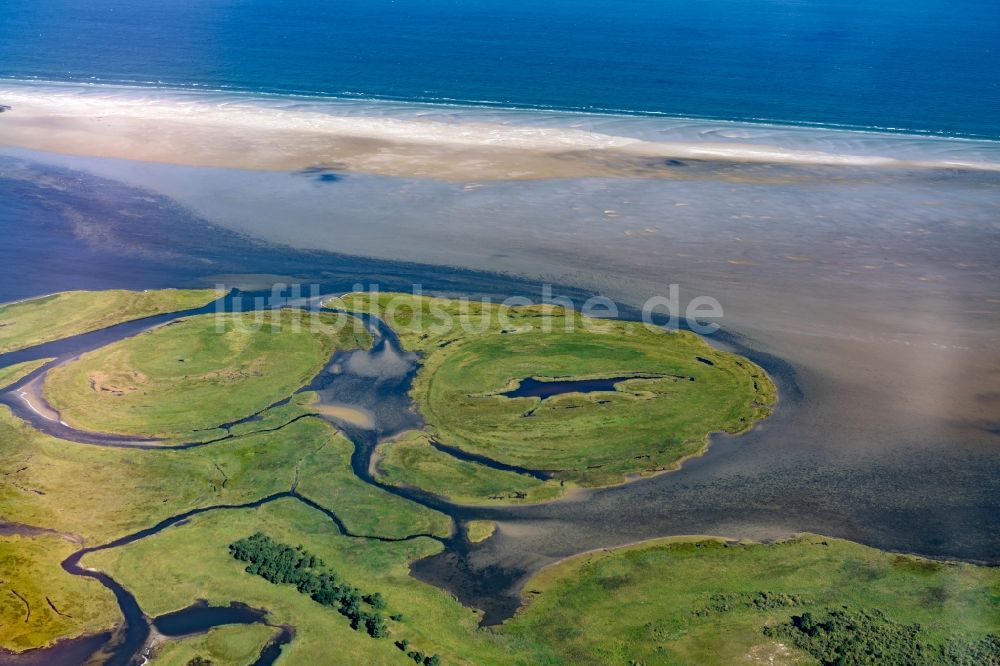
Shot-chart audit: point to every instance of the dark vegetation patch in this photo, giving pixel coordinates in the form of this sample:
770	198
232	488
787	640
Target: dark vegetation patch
917	566
761	601
279	563
614	582
845	637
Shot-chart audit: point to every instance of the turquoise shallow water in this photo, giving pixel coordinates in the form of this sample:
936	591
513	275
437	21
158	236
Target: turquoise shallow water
914	65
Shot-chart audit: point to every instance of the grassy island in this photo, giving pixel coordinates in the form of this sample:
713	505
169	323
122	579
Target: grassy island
38	320
228	645
201	566
14	373
412	461
100	494
39	602
684	600
675	389
480	530
692	600
104	493
197	373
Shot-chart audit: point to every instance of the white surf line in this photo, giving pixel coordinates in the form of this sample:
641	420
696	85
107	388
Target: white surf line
26	399
254	116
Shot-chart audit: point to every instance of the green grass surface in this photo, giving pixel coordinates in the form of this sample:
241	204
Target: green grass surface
673	601
28	323
196	373
229	645
363	507
412	461
200	566
689	601
644	425
479	530
103	493
12	373
29	567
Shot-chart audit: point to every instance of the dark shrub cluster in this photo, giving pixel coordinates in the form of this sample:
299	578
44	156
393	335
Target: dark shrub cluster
845	637
279	563
282	564
417	656
729	601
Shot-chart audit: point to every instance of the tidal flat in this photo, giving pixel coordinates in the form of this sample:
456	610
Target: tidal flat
287	476
868	294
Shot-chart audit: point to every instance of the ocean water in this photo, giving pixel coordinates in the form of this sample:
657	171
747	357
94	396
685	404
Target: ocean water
911	65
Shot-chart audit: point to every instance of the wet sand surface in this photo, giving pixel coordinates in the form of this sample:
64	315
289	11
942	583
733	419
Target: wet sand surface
352	415
261	133
869	294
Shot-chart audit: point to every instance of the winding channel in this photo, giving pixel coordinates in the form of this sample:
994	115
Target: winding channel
374	381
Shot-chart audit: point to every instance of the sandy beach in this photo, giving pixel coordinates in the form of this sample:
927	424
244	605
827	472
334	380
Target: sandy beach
246	133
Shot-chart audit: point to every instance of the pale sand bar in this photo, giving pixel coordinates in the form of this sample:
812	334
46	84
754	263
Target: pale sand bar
242	134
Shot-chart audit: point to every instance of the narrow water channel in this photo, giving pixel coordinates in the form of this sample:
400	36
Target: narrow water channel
375	381
703	497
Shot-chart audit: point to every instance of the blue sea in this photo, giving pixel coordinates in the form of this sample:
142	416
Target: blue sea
927	66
